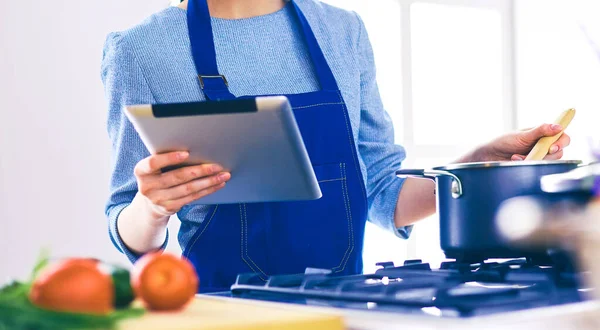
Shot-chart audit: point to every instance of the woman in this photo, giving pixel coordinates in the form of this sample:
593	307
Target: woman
320	57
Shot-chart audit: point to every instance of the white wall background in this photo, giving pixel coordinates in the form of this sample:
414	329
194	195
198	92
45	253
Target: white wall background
54	151
558	67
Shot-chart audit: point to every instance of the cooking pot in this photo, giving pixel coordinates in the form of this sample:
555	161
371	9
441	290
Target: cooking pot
470	194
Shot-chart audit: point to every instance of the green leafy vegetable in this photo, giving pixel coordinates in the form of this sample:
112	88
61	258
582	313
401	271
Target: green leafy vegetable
123	292
18	313
42	261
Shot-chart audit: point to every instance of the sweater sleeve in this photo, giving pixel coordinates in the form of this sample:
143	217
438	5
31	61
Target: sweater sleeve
376	145
124	84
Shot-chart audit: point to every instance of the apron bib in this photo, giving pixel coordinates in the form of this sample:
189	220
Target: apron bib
284	237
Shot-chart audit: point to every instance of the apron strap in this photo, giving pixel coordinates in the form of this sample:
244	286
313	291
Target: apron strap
202	43
213	84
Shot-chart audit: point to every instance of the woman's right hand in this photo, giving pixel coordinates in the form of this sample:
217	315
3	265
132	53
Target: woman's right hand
166	193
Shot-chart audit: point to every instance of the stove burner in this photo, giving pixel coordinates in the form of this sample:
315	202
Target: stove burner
456	289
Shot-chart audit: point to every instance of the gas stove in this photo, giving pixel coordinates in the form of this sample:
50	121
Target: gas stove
455	290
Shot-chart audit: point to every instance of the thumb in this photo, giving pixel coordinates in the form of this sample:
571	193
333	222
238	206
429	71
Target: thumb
542	131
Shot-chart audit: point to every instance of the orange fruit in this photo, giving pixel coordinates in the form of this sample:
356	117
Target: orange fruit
164	281
73	285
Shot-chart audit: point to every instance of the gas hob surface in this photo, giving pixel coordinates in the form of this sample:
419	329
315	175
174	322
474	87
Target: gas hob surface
455	290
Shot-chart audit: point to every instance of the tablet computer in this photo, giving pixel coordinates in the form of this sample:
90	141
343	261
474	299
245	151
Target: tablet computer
256	139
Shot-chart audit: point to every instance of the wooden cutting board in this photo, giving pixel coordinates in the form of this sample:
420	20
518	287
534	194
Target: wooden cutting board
206	313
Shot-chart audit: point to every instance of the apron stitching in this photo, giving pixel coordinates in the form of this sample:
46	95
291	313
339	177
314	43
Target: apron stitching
351	138
246	245
242	235
336	269
316	105
247	254
346	207
351	223
242	244
332	180
187	253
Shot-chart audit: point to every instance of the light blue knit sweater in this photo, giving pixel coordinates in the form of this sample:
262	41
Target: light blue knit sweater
152	63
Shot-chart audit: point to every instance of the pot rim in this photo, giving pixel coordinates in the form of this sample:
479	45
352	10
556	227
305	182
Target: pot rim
493	164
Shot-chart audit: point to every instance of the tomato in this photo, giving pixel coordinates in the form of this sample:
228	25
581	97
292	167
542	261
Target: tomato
164	281
73	285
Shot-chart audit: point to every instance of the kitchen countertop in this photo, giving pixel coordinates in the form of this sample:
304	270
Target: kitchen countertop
580	316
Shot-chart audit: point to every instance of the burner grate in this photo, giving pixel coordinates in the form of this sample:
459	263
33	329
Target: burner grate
462	288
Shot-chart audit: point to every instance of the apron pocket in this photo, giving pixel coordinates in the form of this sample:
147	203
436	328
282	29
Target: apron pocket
315	234
339	232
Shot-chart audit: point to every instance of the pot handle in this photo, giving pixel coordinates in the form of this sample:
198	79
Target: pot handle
457	188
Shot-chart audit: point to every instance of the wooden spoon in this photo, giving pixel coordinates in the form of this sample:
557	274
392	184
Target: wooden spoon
542	147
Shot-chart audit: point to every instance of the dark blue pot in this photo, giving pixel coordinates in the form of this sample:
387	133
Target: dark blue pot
469	196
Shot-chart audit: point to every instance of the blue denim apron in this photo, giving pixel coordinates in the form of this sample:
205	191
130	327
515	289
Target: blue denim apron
284	237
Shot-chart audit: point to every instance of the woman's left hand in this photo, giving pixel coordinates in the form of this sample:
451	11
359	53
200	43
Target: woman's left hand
516	146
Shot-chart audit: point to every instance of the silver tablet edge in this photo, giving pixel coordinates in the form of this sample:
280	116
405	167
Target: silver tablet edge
287	116
144	110
136	112
272	103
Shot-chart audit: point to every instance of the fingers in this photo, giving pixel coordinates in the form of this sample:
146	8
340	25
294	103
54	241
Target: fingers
541	131
154	163
173	199
531	137
175	205
552	129
555	156
563	142
186	174
191	187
